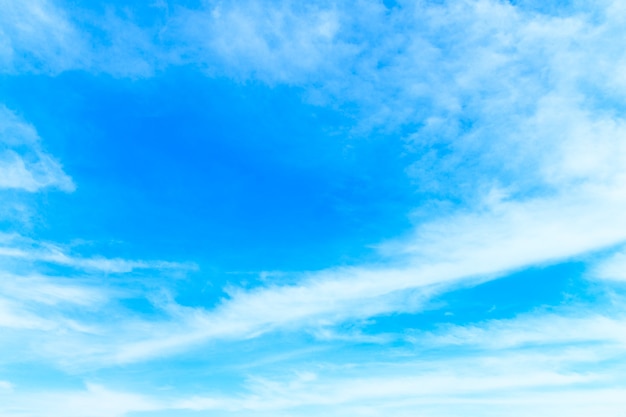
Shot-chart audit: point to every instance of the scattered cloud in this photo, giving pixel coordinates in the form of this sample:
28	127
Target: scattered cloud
19	248
514	115
446	254
39	36
277	43
612	268
24	165
527	364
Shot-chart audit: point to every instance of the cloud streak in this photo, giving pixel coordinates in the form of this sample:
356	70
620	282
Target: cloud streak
496	366
18	248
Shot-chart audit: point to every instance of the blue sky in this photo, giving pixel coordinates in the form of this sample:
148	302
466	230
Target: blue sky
276	208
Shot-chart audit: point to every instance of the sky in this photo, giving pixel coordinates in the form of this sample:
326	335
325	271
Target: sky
292	209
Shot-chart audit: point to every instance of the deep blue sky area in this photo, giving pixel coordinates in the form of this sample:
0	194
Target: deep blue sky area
258	178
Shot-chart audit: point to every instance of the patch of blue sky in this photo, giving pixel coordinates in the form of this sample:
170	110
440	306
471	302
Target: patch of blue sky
245	177
548	287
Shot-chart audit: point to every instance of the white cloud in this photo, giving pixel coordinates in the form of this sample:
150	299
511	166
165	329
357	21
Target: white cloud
24	165
13	315
535	331
18	248
497	94
16	173
74	318
450	253
51	291
50	304
534	364
277	42
95	401
40	36
445	254
612	268
37	35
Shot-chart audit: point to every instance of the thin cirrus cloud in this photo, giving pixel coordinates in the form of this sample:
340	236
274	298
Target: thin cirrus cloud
611	268
512	115
42	37
24	165
328	298
39	36
505	243
21	249
529	372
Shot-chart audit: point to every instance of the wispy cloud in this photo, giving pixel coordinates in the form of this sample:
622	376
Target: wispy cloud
41	36
532	362
19	248
488	94
278	42
24	165
612	268
38	36
443	255
94	401
527	363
